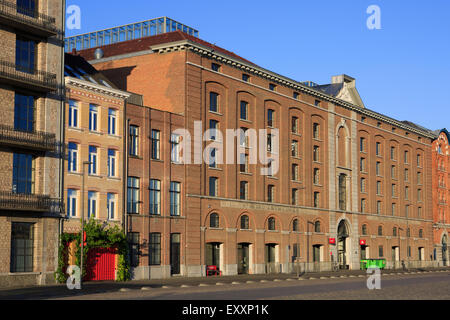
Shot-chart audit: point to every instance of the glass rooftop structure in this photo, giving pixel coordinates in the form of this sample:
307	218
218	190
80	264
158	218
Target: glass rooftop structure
127	32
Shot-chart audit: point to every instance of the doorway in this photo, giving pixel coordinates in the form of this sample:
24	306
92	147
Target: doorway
343	236
271	258
444	251
243	258
175	240
213	255
364	252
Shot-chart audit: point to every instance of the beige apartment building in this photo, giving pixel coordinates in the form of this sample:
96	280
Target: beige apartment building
31	135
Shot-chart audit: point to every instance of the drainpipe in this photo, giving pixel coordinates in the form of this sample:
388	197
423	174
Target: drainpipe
125	170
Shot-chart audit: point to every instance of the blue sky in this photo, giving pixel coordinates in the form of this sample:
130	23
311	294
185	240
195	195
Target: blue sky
401	70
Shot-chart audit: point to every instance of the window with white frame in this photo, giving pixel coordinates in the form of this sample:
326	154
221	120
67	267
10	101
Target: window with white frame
176	148
92	204
93	118
73	114
73	157
111	206
112	163
93	156
155	197
112	119
72	196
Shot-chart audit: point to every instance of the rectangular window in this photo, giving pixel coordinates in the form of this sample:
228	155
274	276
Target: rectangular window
134	248
112	163
270	118
406	157
294	197
175	199
175	147
73	114
92	204
156	142
379	207
213	102
213	127
394	191
342	192
72	196
419	177
93	160
316	199
378	149
134	141
245	77
244	138
295	125
244	190
25	55
27	7
243	163
316	154
378	169
272	87
406	175
363	185
213	158
155	249
23	174
111	206
73	157
213	186
93	117
295	172
270	193
133	195
419	160
244	110
316	131
394	209
362	165
294	149
393	172
317	103
362	145
296	95
24	113
316	176
379	189
215	67
155	197
392	153
112	119
363	205
22	247
380	252
269	142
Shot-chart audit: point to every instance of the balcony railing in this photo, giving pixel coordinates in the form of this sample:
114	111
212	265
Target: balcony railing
25	202
35	140
27	20
36	80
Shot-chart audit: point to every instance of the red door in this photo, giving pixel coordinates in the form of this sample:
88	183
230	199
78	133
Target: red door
101	264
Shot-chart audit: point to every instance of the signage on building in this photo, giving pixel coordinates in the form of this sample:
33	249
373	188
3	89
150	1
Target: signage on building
333	241
362	242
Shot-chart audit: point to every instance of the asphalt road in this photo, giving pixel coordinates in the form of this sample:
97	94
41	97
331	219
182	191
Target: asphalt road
417	286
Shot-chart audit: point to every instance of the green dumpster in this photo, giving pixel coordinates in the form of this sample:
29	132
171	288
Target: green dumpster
373	263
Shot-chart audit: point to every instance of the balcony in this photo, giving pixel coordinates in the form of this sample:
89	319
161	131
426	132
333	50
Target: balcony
25	202
35	80
27	20
42	141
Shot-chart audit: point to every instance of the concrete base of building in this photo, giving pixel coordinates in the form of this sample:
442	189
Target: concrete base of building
17	280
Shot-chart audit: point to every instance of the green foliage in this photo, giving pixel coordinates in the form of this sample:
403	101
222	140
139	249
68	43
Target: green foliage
97	236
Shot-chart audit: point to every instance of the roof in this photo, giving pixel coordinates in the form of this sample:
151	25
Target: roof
77	67
143	44
331	89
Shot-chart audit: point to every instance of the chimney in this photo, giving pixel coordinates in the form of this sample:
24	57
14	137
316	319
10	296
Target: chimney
343	78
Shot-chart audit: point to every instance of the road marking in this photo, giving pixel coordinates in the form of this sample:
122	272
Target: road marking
166	287
185	286
124	290
220	284
290	280
146	288
277	280
235	283
312	278
203	285
249	282
323	278
264	281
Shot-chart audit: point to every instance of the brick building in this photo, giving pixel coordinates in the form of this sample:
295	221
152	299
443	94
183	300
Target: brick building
31	135
441	218
351	184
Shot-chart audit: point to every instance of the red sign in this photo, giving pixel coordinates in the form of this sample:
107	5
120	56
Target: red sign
362	242
84	240
332	240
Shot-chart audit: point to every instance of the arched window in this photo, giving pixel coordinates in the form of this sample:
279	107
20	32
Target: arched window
380	230
364	230
214	220
245	223
317	228
295	225
272	226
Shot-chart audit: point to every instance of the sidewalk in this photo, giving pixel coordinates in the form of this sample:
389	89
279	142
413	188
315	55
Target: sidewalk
48	292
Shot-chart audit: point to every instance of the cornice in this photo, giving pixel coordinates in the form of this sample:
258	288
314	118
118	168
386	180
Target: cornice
274	77
83	84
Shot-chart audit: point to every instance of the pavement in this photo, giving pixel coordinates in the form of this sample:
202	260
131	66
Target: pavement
110	290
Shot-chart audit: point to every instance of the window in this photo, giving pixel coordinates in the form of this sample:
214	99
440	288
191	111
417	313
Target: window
213	186
92	204
245	77
406	175
419	195
378	149
213	158
244	161
22	247
407	193
243	190
362	145
317	227
317	103
295	225
270	118
408	232
213	127
295	172
133	195
245	222
25	55
393	172
380	231
244	110
316	176
420	233
379	188
295	125
380	252
406	157
364	230
363	185
342	192
316	199
23	174
272	224
394	209
111	206
215	67
407	211
73	157
419	160
394	232
24	113
154	249
93	160
316	154
73	114
294	148
294	197
112	119
214	221
419	178
156	143
379	207
112	161
296	95
134	249
213	102
27	7
394	191
378	169
175	147
134	141
93	117
175	199
419	212
72	196
155	197
244	137
363	205
270	193
392	153
316	131
272	87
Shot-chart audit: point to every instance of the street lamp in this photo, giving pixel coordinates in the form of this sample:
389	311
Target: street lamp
82	220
